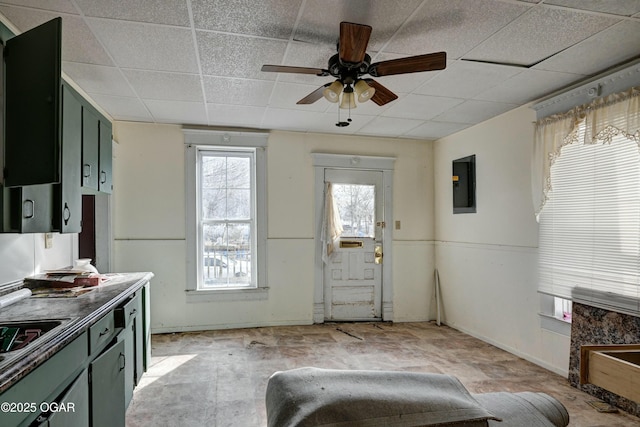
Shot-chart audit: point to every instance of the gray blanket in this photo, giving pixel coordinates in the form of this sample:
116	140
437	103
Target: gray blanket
323	397
335	398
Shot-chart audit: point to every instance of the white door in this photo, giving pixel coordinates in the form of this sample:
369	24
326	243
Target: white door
353	275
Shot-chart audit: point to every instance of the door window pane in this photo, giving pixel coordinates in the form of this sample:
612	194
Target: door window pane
356	205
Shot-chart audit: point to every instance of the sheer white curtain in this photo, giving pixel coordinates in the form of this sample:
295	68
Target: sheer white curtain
617	114
331	224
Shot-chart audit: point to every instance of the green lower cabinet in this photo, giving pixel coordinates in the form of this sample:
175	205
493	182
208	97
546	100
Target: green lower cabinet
72	410
107	386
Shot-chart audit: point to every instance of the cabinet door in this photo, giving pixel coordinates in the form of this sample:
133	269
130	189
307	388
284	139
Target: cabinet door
130	355
32	106
105	158
27	209
68	194
139	338
107	387
90	144
74	411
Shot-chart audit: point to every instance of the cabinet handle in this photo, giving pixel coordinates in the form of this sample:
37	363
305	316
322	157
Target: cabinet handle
86	173
66	214
123	361
28	209
133	312
105	332
103	177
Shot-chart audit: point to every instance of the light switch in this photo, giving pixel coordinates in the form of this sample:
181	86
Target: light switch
397	224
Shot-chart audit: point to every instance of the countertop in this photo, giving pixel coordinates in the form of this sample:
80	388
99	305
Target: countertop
78	314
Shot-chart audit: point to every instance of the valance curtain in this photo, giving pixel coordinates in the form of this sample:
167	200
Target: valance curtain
617	114
331	224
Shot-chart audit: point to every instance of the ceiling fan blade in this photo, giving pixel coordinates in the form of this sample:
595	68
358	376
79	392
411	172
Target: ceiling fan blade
297	70
410	64
313	96
354	39
382	95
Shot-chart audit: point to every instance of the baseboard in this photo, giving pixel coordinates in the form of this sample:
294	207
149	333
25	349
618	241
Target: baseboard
196	328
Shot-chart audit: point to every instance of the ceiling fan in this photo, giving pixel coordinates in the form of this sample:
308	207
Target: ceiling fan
352	62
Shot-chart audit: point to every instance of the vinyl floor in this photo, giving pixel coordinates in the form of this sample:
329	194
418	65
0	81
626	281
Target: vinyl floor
219	378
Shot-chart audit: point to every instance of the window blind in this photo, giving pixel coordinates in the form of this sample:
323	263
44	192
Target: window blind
589	236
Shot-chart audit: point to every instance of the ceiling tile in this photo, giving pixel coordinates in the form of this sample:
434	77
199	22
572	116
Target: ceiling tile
147	46
421	107
327	123
617	7
64	6
388	126
528	86
224	90
453	26
98	79
267	18
78	42
193	113
320	20
474	111
280	118
226	55
234	115
172	12
164	85
466	79
434	130
603	50
121	108
538	34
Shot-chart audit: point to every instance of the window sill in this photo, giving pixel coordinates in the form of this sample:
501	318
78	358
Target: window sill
235	294
553	324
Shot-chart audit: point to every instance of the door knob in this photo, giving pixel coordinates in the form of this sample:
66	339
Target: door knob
377	255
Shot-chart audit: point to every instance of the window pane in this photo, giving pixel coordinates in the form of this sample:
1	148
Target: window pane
239	204
226	255
214	203
214	171
239	172
356	205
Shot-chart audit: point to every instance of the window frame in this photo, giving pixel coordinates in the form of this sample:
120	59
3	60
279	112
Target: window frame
197	141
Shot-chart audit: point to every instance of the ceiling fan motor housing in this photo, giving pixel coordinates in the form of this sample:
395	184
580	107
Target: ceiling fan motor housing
346	72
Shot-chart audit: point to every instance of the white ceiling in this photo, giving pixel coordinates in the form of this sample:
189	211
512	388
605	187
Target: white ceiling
198	62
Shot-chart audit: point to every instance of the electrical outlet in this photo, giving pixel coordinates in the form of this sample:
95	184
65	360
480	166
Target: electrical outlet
397	224
48	240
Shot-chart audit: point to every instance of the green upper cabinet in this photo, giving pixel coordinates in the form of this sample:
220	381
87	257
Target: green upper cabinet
90	148
32	106
68	194
105	159
96	151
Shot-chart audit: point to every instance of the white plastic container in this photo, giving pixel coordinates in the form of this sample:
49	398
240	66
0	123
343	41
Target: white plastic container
84	264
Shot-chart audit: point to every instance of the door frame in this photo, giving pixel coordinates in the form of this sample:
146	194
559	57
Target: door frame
322	161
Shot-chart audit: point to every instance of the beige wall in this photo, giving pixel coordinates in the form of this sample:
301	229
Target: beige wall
149	225
487	261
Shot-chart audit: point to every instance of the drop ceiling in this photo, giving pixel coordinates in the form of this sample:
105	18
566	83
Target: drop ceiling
197	62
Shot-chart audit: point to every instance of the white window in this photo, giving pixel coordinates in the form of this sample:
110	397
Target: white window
590	226
226	236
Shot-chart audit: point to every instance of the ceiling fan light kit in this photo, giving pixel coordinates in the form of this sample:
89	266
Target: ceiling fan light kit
333	91
348	101
351	63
